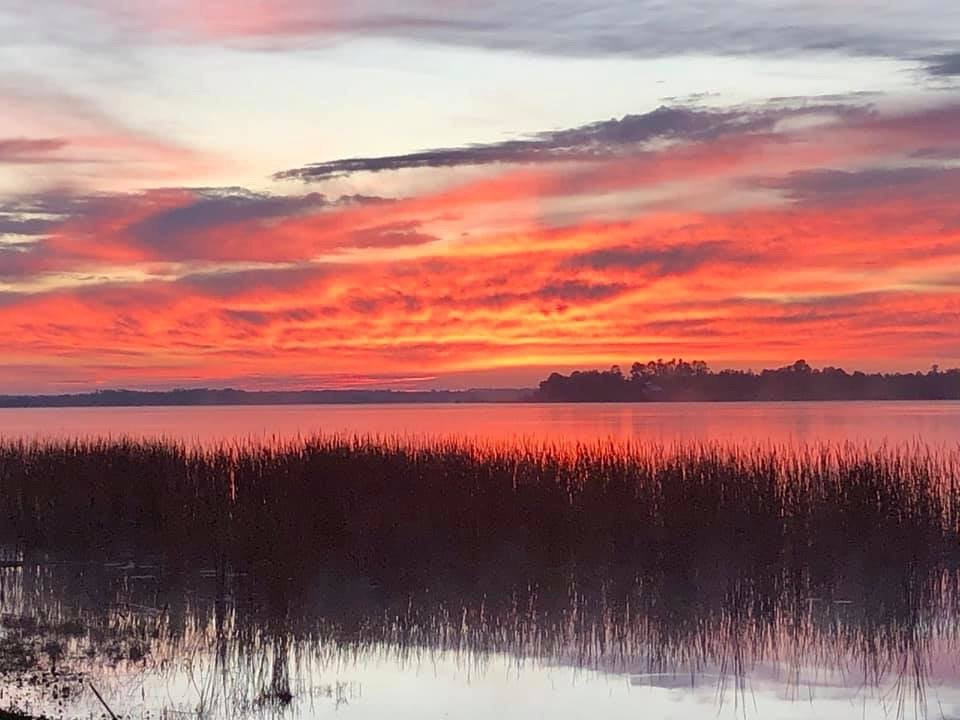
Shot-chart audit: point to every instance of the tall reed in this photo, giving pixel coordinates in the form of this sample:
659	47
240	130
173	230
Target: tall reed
390	507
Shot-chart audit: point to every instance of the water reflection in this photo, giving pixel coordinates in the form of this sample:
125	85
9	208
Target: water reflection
937	423
157	641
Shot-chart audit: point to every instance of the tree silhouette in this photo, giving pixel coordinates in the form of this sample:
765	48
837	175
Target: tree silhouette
677	380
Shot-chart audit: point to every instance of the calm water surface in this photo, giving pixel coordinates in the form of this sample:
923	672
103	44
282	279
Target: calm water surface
201	648
936	423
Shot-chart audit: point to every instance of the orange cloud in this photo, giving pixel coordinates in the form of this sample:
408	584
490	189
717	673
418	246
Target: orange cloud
847	258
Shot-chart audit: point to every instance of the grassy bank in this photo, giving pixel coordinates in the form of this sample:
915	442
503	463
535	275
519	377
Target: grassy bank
393	508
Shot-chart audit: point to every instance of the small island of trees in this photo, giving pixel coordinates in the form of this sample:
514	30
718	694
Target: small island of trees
678	380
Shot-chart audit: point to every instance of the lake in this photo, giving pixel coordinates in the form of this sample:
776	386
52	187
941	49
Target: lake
858	625
935	423
208	648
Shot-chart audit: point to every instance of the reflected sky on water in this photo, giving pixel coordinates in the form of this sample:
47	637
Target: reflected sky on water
936	423
159	644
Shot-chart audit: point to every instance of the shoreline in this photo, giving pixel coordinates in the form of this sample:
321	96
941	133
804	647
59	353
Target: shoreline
447	403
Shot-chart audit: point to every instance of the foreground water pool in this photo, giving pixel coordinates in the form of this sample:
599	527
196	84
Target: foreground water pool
156	643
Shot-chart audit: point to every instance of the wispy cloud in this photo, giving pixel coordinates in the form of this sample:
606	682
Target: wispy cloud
30	150
658	259
53	135
637	28
596	141
947	64
839	187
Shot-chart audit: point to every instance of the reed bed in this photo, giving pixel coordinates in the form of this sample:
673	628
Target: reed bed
640	558
392	507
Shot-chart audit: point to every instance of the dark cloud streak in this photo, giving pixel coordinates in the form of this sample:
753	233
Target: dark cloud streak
595	141
30	150
946	65
676	260
631	28
830	186
215	207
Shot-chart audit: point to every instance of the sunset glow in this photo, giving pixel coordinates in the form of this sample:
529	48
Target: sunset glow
191	196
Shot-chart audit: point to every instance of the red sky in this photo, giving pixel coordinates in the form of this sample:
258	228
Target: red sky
746	233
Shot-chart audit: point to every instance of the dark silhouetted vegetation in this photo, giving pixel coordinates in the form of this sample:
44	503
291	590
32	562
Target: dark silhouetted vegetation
678	380
675	380
394	508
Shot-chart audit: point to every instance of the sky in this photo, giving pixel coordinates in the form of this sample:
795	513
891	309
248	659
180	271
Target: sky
441	193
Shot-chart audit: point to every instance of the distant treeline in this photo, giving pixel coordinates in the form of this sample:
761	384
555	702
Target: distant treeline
229	396
675	380
678	380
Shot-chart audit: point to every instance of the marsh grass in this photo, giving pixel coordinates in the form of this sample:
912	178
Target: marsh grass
393	508
630	557
254	568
